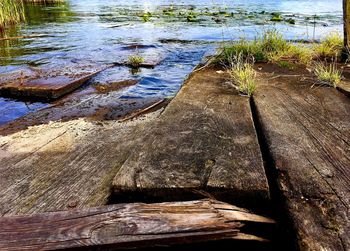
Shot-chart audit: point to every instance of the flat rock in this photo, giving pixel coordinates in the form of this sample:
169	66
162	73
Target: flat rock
44	88
204	142
307	130
99	101
46	84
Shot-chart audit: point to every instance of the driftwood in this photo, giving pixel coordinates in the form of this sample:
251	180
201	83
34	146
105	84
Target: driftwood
63	165
307	131
128	226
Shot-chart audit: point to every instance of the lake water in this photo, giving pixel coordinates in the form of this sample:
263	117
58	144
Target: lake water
97	31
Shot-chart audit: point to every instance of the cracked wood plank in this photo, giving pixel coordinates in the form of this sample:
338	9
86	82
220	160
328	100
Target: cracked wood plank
63	164
129	226
307	131
205	140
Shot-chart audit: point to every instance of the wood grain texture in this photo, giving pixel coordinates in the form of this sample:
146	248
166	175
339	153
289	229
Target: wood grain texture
63	164
307	130
204	141
128	226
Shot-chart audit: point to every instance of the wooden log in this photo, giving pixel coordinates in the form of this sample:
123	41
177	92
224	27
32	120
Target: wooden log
307	131
128	226
204	141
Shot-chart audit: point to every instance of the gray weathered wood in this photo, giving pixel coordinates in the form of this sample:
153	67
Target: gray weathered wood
63	164
308	134
128	226
204	141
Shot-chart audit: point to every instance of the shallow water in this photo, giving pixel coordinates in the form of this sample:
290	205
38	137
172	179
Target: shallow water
97	31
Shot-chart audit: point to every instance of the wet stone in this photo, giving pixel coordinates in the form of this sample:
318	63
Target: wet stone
46	85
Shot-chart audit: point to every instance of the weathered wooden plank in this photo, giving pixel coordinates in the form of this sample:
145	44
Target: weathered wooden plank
204	141
344	85
308	133
63	164
128	226
44	88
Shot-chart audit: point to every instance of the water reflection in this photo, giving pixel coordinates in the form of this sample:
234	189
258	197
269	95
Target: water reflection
42	14
96	31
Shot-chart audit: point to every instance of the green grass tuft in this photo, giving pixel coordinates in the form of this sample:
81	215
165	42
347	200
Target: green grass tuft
11	12
300	54
243	75
327	74
286	64
330	47
270	47
276	18
135	60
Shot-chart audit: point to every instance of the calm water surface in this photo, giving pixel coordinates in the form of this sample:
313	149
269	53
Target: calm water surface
97	31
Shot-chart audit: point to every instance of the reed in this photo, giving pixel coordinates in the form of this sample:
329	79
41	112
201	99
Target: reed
11	12
43	1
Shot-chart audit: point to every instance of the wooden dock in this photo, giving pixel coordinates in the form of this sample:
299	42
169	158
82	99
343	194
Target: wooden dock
208	142
307	131
204	141
130	226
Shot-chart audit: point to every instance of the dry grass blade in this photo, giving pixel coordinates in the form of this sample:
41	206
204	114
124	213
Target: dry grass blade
243	75
327	74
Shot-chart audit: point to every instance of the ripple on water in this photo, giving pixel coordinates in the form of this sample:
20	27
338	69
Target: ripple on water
100	32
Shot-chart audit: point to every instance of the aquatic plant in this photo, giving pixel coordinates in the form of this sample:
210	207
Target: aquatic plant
146	16
135	60
276	17
44	1
169	11
330	47
11	12
191	17
290	21
327	74
243	75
